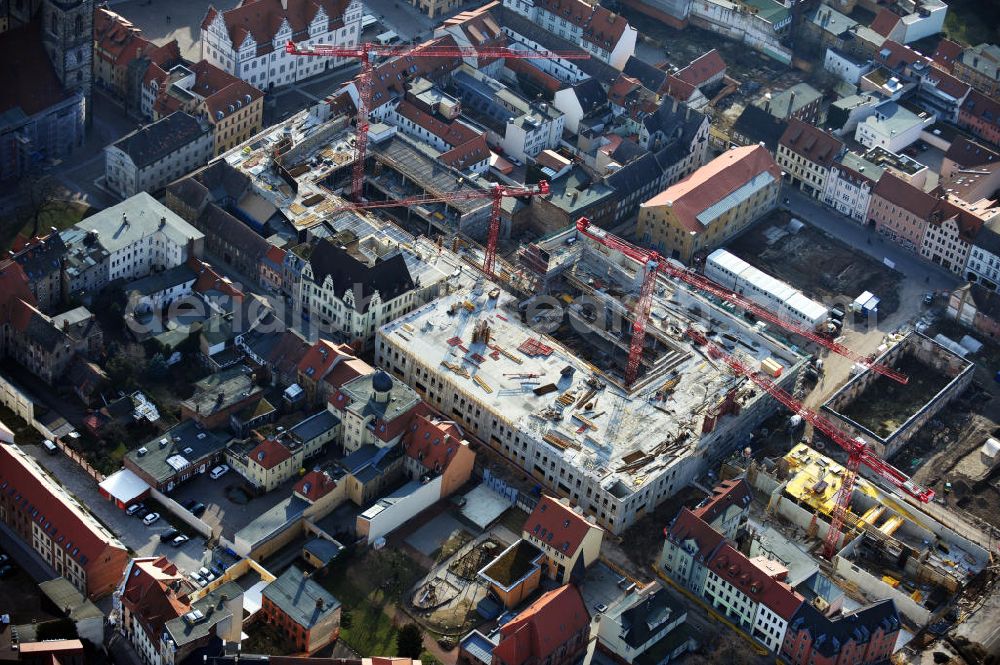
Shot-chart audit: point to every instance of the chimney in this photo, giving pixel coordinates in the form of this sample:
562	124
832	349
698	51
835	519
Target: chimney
319	601
284	5
687	113
791	103
124	219
674	110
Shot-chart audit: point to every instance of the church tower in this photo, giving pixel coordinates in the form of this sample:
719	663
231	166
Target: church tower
68	33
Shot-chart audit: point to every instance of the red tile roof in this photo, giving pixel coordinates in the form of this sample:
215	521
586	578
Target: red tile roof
679	89
261	19
703	68
558	525
454	133
347	369
117	40
13	288
884	22
536	75
315	485
754	581
812	143
150	597
276	255
70	528
904	195
600	26
222	90
946	53
543	627
893	54
431	441
728	493
209	280
480	28
948	84
161	58
687	526
713	182
981	107
968	154
468	154
269	454
622	87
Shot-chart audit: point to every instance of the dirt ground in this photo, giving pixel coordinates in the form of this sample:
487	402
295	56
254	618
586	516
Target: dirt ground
21	599
642	543
819	265
885	405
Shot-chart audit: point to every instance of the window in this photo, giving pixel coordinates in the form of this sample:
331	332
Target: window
78	27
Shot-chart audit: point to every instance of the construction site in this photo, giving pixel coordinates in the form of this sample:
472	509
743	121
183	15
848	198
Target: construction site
543	379
888	547
887	413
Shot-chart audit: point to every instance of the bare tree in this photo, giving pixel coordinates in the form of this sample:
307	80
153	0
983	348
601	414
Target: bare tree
37	192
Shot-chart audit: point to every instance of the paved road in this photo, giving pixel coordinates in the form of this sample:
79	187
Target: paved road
143	540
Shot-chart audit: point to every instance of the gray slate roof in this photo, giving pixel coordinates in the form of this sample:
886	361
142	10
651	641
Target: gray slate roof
152	143
300	598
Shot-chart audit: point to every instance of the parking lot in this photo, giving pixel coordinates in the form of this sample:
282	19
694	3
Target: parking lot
143	540
229	504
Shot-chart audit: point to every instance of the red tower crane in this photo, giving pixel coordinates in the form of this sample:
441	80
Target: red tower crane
653	262
496	193
857	450
366	50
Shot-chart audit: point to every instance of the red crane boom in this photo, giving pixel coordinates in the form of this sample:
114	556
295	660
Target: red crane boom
496	193
366	50
703	283
857	449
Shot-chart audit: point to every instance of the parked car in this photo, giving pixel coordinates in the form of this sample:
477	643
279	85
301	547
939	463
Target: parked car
6	571
150	518
216	569
189	504
179	540
198	509
198	579
4	559
134	508
929	298
206	573
219	471
169	535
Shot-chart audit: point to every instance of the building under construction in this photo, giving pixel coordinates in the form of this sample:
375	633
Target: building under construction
303	167
541	381
886	413
889	547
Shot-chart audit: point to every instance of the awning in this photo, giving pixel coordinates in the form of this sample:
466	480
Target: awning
124	486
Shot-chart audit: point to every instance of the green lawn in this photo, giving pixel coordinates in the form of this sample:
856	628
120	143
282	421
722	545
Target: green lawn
365	583
60	214
972	22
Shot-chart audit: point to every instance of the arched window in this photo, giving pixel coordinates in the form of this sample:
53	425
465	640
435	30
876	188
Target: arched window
78	25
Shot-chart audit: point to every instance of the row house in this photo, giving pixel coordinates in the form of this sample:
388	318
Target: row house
325	367
900	211
54	524
979	66
233	108
598	31
806	154
570	541
980	114
450	136
951	231
983	266
347	296
850	184
865	635
152	592
248	41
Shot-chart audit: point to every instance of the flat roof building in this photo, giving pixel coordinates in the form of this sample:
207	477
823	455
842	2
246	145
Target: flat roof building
571	426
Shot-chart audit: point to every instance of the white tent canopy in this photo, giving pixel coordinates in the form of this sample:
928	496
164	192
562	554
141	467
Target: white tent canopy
124	486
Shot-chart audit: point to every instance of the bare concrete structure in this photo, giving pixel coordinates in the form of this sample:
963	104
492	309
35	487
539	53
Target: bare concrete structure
887	414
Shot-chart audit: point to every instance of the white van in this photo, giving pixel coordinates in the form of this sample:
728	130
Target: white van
219	471
387	37
50	447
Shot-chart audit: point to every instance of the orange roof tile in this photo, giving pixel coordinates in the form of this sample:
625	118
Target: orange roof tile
811	143
601	27
713	182
261	19
946	53
155	593
703	68
543	627
558	525
431	442
884	22
315	485
468	154
269	453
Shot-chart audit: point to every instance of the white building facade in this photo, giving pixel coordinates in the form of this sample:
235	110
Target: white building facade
849	192
257	55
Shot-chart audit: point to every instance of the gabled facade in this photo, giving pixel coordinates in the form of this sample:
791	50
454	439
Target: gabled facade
900	211
864	636
805	154
569	541
553	630
152	592
601	33
248	41
345	296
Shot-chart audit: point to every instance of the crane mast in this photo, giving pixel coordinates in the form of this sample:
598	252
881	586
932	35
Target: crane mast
703	283
365	51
